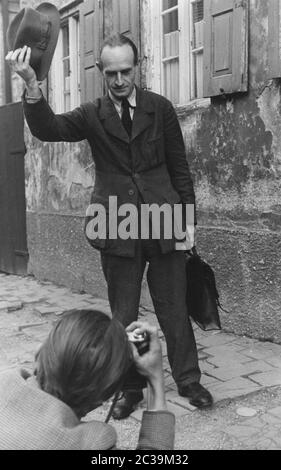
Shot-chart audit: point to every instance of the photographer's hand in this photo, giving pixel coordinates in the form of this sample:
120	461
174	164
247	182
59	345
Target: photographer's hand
150	365
19	62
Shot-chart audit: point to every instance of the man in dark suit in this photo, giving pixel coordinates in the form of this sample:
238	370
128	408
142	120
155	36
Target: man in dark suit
140	158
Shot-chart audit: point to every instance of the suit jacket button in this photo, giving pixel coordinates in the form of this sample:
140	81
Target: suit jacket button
136	175
131	192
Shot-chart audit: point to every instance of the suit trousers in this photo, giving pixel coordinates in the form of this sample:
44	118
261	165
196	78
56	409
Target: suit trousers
167	285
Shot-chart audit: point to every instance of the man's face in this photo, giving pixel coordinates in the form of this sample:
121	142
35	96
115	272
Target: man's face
119	70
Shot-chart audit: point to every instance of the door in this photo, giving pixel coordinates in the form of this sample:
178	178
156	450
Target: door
13	243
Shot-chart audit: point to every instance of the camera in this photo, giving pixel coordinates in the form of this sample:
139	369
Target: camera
141	341
134	380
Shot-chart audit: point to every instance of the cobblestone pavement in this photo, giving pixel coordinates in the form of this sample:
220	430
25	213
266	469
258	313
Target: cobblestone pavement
233	368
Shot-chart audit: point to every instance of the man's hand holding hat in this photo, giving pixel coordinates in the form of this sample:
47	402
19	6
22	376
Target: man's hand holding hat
19	61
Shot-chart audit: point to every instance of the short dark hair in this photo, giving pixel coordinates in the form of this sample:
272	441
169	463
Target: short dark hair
84	359
117	40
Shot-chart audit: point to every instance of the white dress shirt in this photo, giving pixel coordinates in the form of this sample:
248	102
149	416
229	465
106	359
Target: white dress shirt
118	104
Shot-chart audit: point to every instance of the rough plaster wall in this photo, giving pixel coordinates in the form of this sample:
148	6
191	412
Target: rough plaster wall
59	177
60	253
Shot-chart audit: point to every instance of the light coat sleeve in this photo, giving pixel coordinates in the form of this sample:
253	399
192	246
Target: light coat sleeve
157	431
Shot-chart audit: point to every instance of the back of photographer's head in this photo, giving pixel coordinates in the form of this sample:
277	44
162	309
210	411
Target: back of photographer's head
84	359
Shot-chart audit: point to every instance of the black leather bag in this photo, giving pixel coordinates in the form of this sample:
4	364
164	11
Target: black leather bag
202	296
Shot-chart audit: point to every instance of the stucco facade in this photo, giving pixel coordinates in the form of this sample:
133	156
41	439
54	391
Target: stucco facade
234	150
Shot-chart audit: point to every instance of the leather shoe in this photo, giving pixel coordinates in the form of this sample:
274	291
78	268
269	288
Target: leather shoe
127	404
197	395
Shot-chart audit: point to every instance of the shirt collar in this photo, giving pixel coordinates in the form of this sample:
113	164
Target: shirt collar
132	99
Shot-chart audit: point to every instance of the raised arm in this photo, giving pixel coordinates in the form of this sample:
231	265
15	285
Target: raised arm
43	123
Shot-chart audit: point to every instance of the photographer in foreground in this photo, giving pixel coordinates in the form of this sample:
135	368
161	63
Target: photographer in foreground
82	363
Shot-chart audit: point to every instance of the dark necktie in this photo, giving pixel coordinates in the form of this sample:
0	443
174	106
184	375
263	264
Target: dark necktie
126	117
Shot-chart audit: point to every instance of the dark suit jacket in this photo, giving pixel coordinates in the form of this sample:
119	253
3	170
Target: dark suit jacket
152	165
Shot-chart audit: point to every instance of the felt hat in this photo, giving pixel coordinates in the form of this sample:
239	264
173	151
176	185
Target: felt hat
38	29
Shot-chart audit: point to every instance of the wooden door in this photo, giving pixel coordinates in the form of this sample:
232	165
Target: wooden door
13	243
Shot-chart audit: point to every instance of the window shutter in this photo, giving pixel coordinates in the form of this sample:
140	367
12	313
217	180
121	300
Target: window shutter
274	37
90	41
225	47
126	20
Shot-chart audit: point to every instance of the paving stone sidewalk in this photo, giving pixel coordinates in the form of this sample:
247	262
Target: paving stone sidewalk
232	366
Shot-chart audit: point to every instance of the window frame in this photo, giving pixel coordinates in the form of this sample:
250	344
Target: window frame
64	58
70	17
186	52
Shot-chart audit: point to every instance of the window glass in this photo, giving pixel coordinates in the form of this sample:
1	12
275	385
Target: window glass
170	51
197	47
171	80
66	67
166	4
170	22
